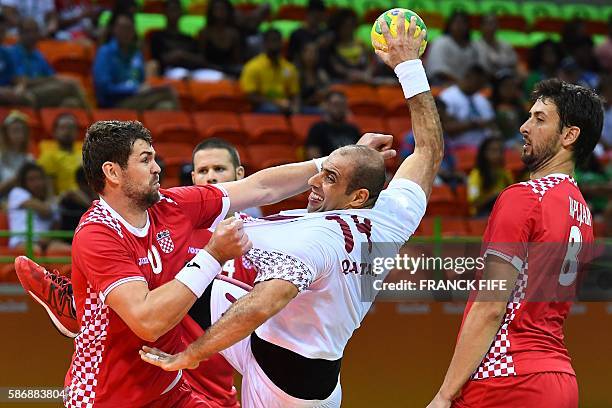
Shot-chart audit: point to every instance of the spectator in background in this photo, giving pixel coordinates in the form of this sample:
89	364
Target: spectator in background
269	80
123	7
35	74
333	131
448	172
314	81
172	49
220	42
605	90
61	158
604	51
544	60
451	54
507	100
584	55
314	30
596	183
494	54
41	11
217	161
9	93
30	194
489	178
470	115
349	60
119	75
75	203
15	138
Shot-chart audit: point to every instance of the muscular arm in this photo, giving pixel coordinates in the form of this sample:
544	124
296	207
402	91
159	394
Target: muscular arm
423	164
478	331
241	319
151	313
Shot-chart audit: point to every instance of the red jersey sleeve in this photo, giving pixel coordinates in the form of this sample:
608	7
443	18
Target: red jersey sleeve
511	224
103	258
205	206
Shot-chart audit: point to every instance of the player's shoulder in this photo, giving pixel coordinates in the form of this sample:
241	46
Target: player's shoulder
548	185
175	195
99	219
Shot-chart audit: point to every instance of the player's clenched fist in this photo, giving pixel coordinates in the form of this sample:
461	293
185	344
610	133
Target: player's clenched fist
228	241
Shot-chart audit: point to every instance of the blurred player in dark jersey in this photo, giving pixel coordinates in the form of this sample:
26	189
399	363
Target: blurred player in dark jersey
537	239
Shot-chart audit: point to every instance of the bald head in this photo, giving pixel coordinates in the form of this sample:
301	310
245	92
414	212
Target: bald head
368	170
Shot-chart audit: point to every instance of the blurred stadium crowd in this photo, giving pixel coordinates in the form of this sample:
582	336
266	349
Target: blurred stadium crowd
283	81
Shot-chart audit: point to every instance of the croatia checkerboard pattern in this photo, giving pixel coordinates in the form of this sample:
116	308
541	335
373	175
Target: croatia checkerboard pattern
276	265
542	185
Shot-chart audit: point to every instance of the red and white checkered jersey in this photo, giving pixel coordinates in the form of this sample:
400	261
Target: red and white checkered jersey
106	369
540	227
328	257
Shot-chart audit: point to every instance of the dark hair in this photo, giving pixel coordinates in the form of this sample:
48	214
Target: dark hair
215	143
368	170
455	15
22	174
210	18
109	141
80	176
333	93
477	70
577	106
272	32
484	167
315	5
173	3
64	115
339	17
535	54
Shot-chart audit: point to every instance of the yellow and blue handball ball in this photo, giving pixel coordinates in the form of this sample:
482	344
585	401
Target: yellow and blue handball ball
391	17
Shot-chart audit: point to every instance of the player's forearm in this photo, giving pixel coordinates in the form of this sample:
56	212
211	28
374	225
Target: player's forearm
270	185
479	329
164	307
422	166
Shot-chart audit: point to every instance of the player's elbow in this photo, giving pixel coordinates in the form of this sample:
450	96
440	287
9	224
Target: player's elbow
490	311
148	332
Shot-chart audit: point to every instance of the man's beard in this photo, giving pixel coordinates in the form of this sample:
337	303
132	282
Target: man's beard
142	200
538	158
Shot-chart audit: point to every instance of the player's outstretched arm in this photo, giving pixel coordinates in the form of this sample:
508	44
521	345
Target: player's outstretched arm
275	184
402	55
241	319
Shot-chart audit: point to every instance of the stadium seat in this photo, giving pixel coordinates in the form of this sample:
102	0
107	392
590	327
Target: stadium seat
67	56
398	127
454	227
500	8
224	125
267	128
114	114
461	200
301	124
548	24
514	23
448	7
174	155
362	99
192	25
296	12
218	96
513	161
262	156
434	20
442	202
534	10
4	226
48	115
369	124
465	158
154	6
392	98
180	86
170	126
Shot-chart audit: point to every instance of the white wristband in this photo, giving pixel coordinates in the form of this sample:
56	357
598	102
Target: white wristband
199	272
319	163
412	77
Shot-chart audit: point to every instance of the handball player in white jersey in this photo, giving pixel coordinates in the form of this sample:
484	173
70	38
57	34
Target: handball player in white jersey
287	335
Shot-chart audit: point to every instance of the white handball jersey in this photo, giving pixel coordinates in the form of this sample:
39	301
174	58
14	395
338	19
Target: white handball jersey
328	256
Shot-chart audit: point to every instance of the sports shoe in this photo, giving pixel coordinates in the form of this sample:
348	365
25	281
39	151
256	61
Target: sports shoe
52	291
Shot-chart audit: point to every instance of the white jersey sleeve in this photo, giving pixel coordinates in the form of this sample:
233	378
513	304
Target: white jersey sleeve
300	259
404	201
